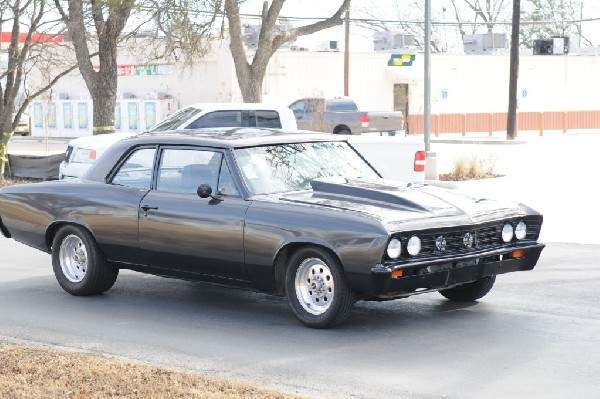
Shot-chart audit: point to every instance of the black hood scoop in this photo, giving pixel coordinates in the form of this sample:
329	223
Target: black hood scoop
370	192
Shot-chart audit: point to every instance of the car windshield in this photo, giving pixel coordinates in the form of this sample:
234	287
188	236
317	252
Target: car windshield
175	120
291	167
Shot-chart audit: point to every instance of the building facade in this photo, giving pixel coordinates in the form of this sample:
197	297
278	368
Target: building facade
469	92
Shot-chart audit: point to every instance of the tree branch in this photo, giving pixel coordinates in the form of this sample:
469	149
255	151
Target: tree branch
293	34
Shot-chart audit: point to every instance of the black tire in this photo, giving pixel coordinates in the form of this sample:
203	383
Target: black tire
322	297
471	291
79	265
344	132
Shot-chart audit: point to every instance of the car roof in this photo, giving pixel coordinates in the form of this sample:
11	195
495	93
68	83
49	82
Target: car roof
227	138
233	137
230	106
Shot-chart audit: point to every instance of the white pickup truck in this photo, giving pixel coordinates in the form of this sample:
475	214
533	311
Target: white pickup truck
83	152
394	157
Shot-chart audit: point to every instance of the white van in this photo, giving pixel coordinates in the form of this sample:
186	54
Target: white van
83	151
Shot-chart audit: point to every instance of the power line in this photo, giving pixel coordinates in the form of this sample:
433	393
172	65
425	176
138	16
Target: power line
418	22
395	21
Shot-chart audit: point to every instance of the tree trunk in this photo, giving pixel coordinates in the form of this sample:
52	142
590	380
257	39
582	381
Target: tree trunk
5	136
109	20
250	76
104	110
252	89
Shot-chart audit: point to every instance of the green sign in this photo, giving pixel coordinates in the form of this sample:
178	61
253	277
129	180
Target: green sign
401	60
156	69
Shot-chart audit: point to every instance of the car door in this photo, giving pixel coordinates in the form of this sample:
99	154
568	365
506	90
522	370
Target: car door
116	221
299	110
309	114
178	230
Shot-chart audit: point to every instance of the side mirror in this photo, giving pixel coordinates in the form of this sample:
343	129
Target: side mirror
204	191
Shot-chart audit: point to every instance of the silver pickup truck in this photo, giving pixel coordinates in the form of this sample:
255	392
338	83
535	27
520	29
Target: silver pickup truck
341	116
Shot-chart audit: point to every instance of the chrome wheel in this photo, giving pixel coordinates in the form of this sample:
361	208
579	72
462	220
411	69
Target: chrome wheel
314	285
73	258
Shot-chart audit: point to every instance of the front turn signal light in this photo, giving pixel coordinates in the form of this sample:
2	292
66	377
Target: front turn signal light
397	273
517	254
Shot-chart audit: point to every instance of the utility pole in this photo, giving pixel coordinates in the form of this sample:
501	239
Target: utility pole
514	72
347	56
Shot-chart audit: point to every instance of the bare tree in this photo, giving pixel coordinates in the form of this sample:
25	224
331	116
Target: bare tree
173	28
109	19
479	12
557	18
451	19
250	75
408	18
24	53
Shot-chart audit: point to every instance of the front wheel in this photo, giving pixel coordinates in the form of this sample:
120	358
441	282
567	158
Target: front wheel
471	291
79	266
317	289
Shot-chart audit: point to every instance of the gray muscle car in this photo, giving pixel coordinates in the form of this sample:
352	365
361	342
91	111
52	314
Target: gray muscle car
299	215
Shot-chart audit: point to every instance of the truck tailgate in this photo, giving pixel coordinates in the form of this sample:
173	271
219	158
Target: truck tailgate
385	121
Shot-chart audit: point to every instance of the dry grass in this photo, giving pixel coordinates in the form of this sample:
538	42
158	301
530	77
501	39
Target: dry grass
471	168
31	372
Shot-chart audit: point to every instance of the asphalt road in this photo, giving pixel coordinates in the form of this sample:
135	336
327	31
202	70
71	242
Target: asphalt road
537	334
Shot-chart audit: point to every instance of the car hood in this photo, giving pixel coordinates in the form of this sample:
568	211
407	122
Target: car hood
400	206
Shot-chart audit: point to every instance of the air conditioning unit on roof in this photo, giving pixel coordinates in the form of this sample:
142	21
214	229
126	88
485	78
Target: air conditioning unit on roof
328	45
389	40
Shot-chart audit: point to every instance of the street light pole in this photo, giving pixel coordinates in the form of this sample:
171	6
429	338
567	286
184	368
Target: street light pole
427	76
347	56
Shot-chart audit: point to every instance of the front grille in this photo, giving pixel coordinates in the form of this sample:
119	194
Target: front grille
455	241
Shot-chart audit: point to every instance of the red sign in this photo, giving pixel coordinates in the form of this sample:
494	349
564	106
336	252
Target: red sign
5	37
122	70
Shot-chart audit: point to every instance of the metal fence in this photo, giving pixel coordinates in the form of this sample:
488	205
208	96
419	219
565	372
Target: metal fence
496	122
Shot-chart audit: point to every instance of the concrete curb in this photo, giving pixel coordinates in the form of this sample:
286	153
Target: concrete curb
464	184
478	141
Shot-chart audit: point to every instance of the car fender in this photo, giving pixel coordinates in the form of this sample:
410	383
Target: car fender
55	226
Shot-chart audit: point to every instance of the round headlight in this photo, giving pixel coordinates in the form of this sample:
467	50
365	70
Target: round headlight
394	248
507	232
414	245
521	230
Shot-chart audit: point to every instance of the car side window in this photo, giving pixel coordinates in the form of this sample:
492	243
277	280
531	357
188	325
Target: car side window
298	106
136	171
264	118
226	183
218	119
183	170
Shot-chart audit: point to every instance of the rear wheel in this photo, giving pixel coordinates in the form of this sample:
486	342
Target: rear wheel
79	266
471	291
317	289
343	132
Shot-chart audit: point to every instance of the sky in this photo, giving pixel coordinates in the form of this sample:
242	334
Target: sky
361	39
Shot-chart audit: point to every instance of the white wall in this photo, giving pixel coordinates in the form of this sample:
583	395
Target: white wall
472	83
